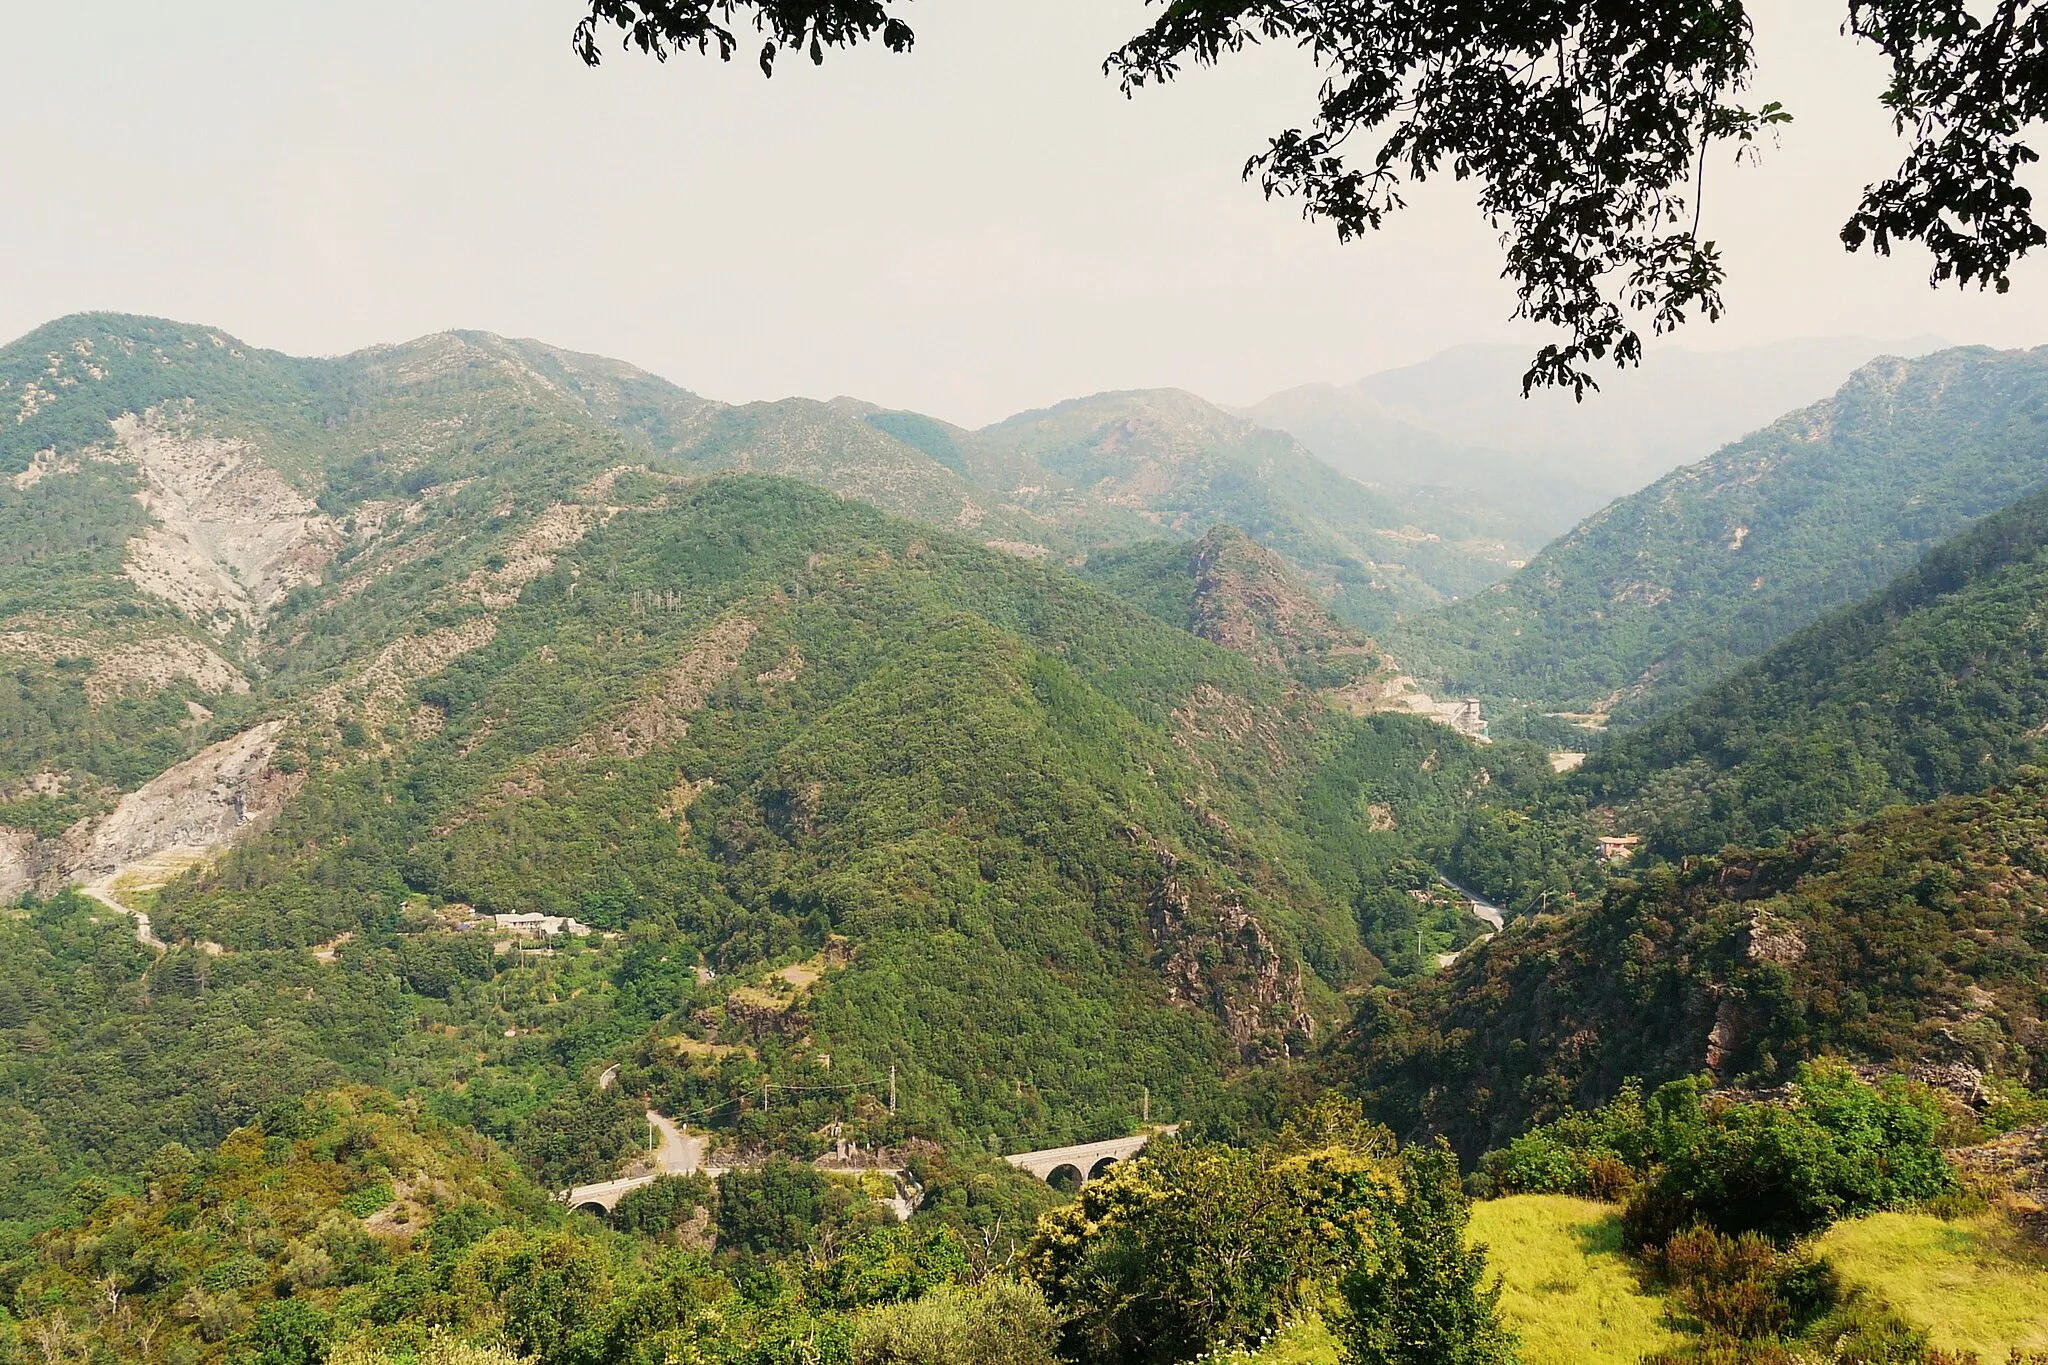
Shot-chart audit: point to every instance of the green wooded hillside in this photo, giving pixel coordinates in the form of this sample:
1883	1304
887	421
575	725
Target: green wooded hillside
1042	852
1913	938
1662	592
1937	684
166	489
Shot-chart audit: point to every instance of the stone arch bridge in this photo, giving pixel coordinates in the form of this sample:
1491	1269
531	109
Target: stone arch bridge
1087	1160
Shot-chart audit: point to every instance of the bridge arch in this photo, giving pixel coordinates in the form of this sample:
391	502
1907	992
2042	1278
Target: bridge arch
1066	1176
1087	1160
595	1206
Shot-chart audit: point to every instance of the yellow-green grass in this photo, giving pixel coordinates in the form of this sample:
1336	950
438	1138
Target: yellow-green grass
1970	1283
1308	1342
1566	1287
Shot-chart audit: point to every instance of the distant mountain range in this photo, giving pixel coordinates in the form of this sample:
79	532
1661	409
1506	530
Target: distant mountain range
1459	418
1664	591
1106	470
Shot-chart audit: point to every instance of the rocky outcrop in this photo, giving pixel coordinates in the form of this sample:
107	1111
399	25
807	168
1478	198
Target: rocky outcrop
17	871
1247	600
131	666
380	691
661	717
658	718
532	553
218	796
1216	956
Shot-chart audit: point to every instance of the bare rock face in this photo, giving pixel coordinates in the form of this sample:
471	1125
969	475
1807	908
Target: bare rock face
219	795
231	536
16	869
1216	956
1765	940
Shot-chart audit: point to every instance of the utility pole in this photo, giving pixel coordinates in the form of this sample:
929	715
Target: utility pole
764	1096
1145	1106
892	1089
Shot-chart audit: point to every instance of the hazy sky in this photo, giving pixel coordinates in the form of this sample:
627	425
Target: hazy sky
982	226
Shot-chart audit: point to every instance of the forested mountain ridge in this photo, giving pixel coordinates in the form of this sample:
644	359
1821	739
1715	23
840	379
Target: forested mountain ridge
1912	939
164	489
1104	470
1119	467
483	654
1665	590
1232	591
1938	684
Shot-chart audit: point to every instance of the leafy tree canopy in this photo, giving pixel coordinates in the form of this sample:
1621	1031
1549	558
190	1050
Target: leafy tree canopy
1589	125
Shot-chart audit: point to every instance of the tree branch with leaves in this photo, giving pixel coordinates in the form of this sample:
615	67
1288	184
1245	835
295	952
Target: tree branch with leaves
1587	126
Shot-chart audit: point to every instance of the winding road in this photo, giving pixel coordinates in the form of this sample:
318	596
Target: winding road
1480	907
1483	910
144	933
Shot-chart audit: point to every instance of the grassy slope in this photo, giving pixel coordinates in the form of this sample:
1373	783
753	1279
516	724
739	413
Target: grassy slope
1664	590
1970	1283
1567	1290
1567	1287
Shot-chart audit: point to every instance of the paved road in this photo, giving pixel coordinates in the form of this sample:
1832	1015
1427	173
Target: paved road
1480	907
676	1152
679	1153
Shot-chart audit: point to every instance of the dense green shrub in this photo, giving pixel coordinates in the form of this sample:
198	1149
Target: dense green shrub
1000	1322
782	1206
663	1205
1832	1148
1744	1287
290	1332
1193	1247
1837	1149
1421	1297
892	1264
990	1204
1598	1155
579	1137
